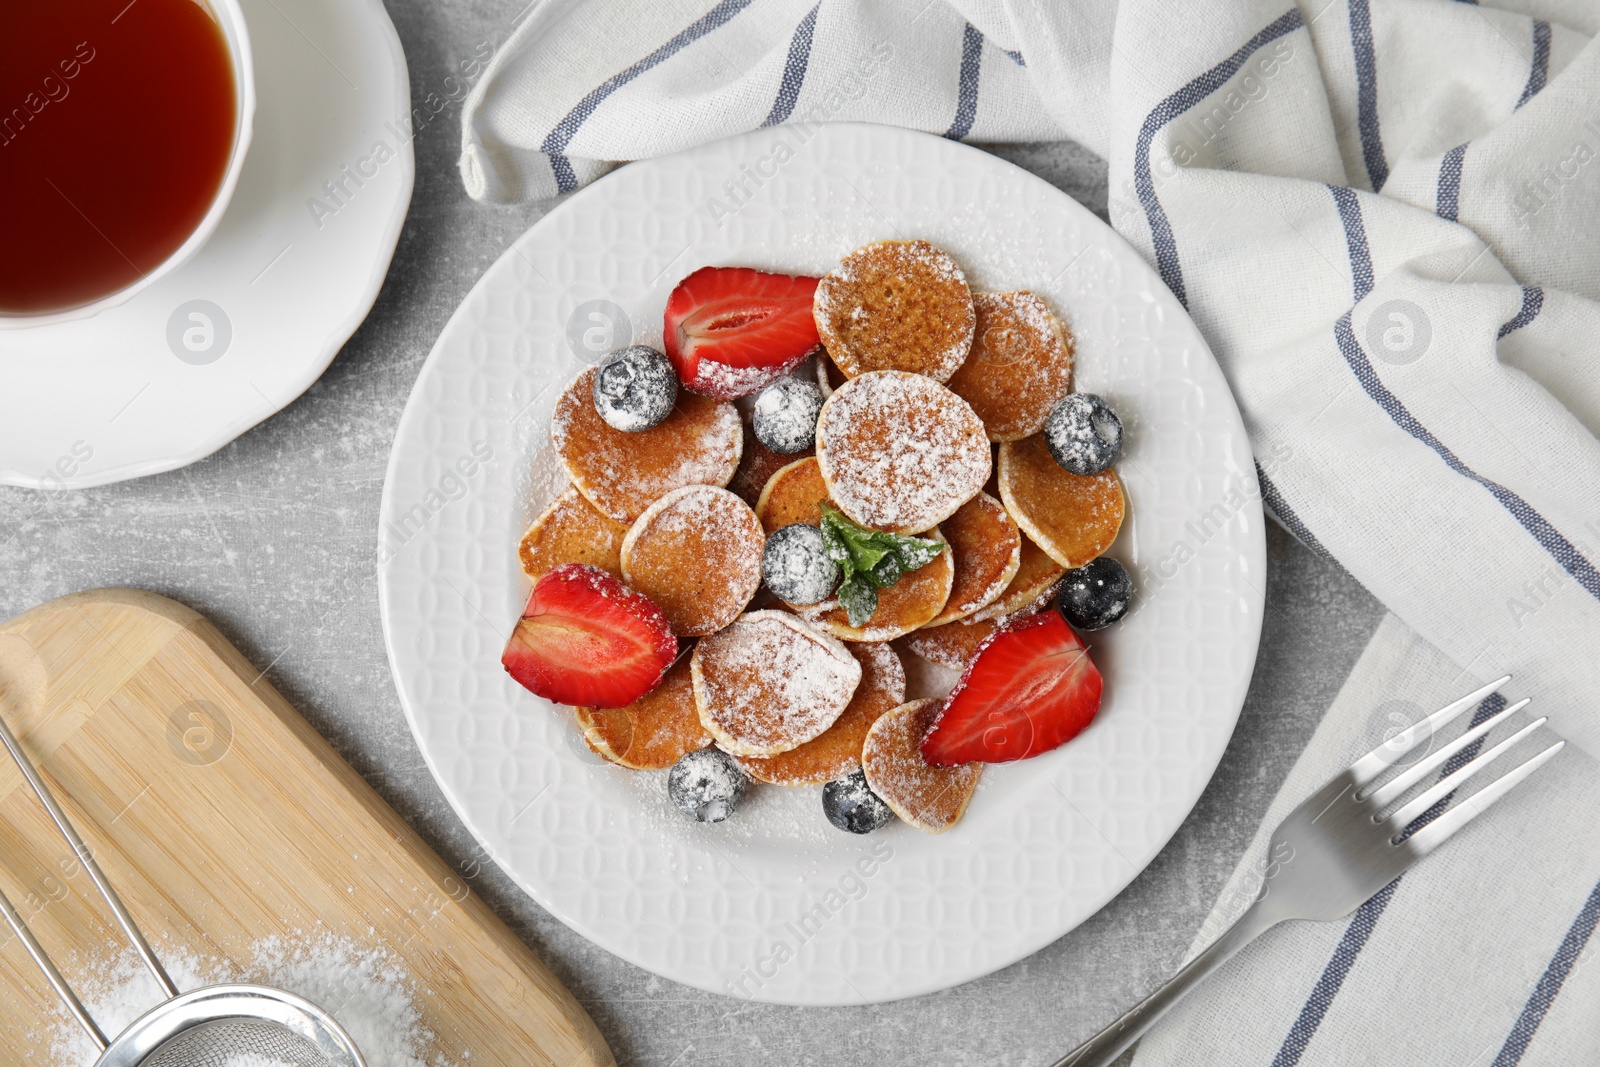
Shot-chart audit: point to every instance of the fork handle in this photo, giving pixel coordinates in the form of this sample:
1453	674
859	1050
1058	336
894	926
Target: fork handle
1104	1047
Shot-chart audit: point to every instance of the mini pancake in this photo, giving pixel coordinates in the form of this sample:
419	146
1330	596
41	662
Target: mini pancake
793	494
571	531
837	751
900	452
769	683
918	596
952	644
986	549
1072	517
696	552
1019	366
757	465
896	305
930	798
1035	581
654	731
620	473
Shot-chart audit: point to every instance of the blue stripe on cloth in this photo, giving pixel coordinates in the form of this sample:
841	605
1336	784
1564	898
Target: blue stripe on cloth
1280	507
1532	303
1367	94
1015	55
1539	69
1549	538
794	69
558	138
967	84
561	167
1555	973
1333	976
1366	916
1448	199
1185	98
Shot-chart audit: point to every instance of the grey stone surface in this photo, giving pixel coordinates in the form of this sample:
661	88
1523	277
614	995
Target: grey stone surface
273	538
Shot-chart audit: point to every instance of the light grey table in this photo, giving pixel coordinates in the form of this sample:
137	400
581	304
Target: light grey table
273	538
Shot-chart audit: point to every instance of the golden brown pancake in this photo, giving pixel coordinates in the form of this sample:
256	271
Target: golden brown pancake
896	305
620	473
758	464
696	552
571	531
918	596
1034	582
654	731
1019	366
837	751
1072	517
986	548
900	452
930	798
769	683
952	644
793	494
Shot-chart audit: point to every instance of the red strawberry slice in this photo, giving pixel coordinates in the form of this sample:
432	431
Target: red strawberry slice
1030	687
587	639
731	330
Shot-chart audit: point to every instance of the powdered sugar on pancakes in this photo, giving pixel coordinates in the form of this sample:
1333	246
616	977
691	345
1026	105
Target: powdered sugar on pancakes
770	683
620	473
896	305
1019	367
900	452
930	798
696	552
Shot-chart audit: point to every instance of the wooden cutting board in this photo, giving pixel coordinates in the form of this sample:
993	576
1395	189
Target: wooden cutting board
223	818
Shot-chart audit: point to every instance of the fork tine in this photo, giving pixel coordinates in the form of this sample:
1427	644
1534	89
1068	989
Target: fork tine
1445	786
1439	830
1391	791
1380	759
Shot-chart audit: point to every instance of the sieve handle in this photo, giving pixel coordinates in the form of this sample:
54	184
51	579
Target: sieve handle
47	965
81	850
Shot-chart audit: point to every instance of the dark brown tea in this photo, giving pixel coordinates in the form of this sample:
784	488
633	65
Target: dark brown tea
116	126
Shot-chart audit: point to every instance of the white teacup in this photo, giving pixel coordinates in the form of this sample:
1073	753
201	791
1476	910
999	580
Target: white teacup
230	20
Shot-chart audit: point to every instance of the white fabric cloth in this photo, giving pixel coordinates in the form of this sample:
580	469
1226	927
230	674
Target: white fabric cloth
1385	217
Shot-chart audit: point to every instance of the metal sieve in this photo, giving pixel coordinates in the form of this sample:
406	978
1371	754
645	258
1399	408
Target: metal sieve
217	1026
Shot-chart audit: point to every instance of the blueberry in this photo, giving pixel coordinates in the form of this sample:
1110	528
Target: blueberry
1083	433
635	388
851	805
706	784
1095	595
785	415
796	565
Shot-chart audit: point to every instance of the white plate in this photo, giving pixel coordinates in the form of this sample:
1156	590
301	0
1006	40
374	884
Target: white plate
775	904
147	386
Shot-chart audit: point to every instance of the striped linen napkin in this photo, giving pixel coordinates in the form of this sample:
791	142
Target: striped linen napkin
1385	217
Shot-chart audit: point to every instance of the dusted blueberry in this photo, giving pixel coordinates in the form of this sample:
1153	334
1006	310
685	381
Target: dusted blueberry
796	566
1095	595
1083	433
785	415
635	388
706	784
851	805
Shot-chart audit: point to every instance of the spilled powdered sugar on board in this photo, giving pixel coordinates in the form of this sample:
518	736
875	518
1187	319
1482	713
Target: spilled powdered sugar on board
367	990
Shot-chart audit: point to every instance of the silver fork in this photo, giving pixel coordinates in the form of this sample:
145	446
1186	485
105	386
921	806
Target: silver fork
1341	846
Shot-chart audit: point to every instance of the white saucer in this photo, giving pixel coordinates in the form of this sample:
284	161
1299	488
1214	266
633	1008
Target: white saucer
775	904
242	329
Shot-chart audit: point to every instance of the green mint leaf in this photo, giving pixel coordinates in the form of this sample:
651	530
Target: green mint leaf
886	572
915	552
859	598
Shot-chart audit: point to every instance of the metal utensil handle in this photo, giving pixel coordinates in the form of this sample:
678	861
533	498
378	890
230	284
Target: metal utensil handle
47	965
1111	1042
81	850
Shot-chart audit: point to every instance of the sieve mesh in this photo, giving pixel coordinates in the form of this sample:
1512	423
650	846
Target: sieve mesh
237	1042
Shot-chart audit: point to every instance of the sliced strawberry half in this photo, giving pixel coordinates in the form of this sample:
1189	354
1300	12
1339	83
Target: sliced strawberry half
587	639
1029	688
731	330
